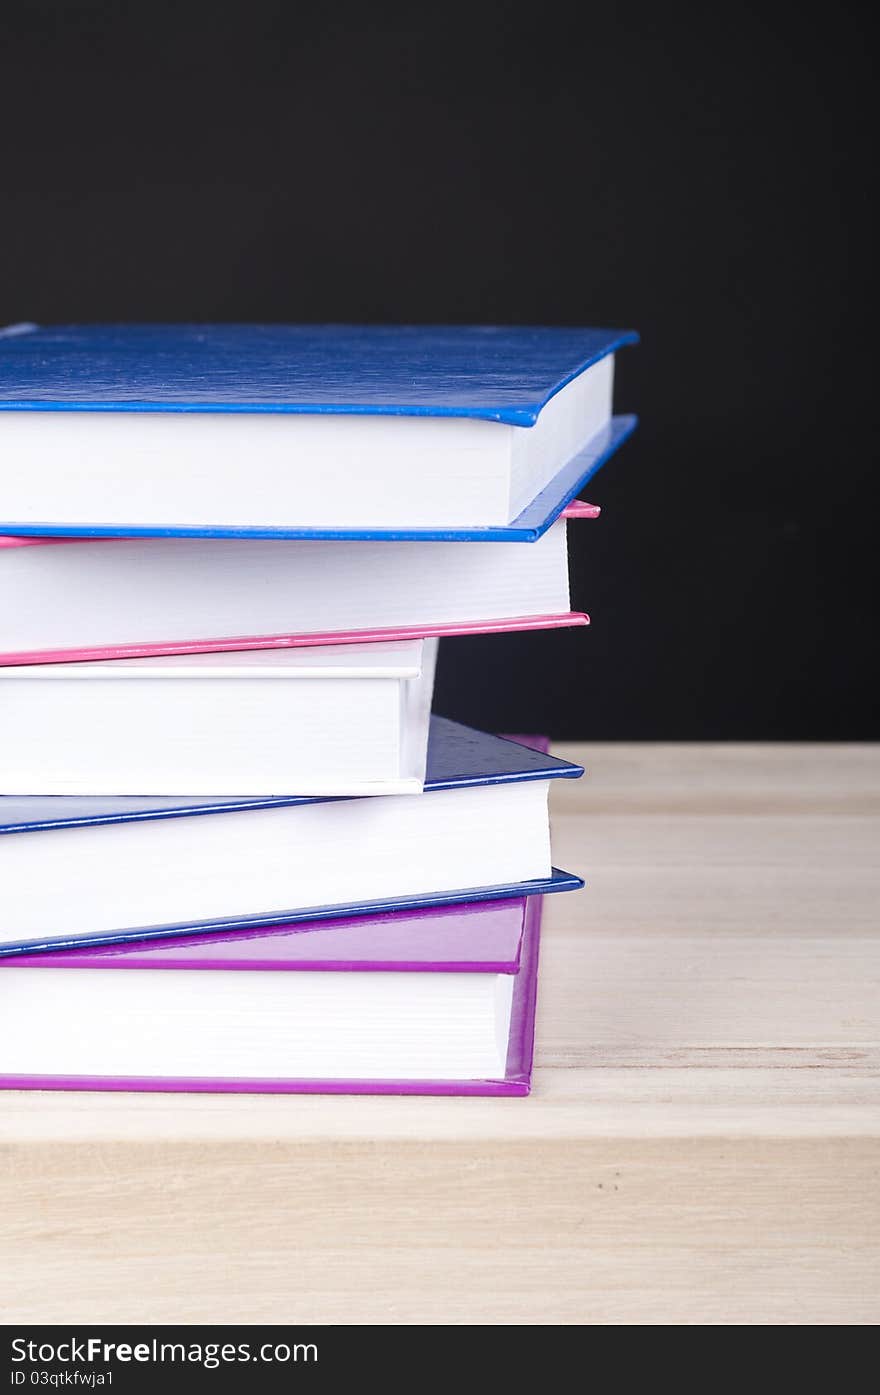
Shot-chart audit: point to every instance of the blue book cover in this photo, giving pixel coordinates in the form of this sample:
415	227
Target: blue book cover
458	758
492	374
506	376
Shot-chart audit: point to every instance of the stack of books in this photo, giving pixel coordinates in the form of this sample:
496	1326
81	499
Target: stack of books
238	850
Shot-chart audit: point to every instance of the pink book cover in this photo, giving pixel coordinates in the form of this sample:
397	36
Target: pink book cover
577	509
497	937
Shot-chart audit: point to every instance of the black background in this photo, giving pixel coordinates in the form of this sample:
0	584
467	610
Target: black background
701	175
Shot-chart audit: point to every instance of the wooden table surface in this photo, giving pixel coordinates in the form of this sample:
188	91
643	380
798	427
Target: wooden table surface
702	1144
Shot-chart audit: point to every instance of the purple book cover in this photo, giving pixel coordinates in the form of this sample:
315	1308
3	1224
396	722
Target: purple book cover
478	937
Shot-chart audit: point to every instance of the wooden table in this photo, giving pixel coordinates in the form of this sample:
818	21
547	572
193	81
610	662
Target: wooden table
702	1144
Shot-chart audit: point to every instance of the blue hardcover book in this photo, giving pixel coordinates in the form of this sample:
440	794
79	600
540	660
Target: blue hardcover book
302	431
91	871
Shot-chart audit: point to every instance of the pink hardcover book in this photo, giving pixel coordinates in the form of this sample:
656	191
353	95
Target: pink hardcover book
433	1001
139	590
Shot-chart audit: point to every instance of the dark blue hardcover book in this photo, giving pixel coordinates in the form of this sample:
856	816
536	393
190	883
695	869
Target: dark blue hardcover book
93	871
459	757
449	432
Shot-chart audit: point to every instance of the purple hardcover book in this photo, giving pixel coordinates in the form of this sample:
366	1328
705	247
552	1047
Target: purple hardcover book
430	1001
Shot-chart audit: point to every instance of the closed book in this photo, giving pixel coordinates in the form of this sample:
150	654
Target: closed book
68	600
76	869
430	1001
301	430
337	720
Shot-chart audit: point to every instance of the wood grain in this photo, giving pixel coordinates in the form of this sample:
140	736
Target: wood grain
702	1144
